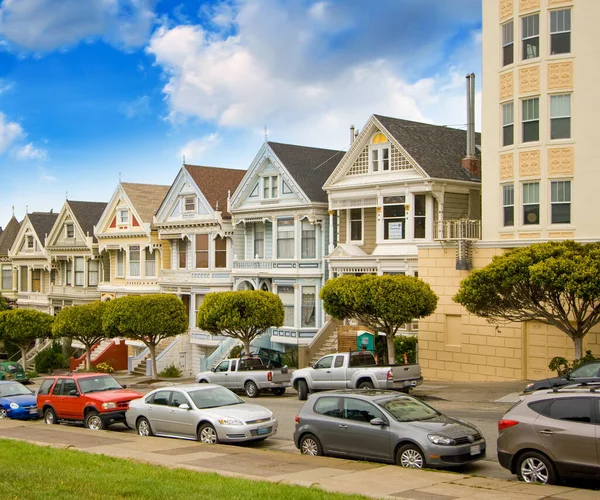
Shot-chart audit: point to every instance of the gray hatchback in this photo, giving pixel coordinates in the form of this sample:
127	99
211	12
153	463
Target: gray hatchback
384	426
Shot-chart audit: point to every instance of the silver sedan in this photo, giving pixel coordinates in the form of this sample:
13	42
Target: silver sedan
206	412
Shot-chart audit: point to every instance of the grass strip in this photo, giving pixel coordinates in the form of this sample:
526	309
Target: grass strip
31	472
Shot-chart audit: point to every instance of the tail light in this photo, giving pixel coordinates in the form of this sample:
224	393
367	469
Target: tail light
390	375
505	424
270	376
297	419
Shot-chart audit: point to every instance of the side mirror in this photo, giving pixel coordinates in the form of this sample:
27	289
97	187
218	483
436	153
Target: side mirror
73	393
377	421
184	406
213	370
124	386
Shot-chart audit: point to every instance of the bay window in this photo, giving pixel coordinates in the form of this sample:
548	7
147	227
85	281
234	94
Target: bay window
7	278
220	252
68	272
420	216
285	238
202	251
120	264
182	254
286	294
134	261
149	263
356	224
394	218
36	280
309	246
93	272
259	241
23	279
79	271
309	294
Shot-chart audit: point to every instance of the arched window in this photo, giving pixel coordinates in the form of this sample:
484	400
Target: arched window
380	153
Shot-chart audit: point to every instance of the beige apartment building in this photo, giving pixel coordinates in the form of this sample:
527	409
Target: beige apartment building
539	180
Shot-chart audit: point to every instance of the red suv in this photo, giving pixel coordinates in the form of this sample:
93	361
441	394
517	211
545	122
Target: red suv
96	399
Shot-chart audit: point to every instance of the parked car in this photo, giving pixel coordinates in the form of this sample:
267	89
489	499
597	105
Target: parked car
590	372
96	399
354	370
552	434
247	374
385	426
17	401
206	412
11	370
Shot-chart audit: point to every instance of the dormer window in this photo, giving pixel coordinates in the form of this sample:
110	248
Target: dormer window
189	204
69	230
30	242
123	216
270	187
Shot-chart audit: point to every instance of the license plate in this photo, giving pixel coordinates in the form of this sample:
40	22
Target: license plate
413	383
33	411
263	431
475	449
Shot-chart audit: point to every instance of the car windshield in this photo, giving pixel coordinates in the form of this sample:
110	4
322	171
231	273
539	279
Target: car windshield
98	384
214	397
589	370
13	389
407	409
14	367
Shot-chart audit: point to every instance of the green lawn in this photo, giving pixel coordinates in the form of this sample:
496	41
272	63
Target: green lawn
30	472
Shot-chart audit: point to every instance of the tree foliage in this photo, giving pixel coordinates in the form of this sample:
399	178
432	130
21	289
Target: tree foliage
3	303
22	327
147	318
556	283
82	323
380	303
243	315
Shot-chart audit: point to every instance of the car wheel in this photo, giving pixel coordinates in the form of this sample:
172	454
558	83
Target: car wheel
50	417
143	427
94	422
279	391
365	385
207	434
251	390
3	413
302	390
534	467
410	456
310	445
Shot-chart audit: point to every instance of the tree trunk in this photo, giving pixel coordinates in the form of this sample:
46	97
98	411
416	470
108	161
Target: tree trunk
247	346
389	338
88	357
578	343
67	347
152	348
23	356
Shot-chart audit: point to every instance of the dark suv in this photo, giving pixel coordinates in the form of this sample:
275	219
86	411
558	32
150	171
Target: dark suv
552	434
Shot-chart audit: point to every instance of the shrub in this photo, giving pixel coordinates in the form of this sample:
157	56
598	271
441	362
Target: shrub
236	351
290	357
562	366
32	374
406	345
104	367
170	371
50	359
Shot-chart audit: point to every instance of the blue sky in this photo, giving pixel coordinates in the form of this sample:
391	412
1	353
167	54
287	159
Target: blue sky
94	89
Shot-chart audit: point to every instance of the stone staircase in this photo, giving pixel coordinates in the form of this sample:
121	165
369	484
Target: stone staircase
140	369
329	346
31	354
96	351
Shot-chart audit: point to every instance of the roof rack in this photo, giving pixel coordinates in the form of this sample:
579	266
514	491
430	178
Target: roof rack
593	386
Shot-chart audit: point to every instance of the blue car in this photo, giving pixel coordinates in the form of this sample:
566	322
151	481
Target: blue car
17	401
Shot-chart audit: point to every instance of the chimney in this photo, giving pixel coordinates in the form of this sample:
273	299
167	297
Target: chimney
351	134
470	162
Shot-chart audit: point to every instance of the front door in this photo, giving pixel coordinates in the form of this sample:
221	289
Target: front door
181	421
338	373
159	412
321	373
71	405
55	396
329	417
221	375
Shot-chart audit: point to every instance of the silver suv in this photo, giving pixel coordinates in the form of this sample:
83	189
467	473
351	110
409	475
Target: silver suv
552	434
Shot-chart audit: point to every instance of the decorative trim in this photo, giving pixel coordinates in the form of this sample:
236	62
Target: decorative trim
529	4
507	236
562	234
552	2
529	236
561	161
506	85
506	9
507	170
529	163
560	75
529	79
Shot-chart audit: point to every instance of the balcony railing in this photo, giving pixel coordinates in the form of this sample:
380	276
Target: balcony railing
184	276
73	290
458	230
277	264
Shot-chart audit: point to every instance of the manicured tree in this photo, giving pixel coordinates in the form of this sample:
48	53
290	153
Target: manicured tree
82	323
242	315
380	303
556	283
22	327
147	318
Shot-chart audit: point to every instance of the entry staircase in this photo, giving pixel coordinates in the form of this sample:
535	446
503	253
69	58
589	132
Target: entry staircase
324	342
96	351
219	354
29	364
142	367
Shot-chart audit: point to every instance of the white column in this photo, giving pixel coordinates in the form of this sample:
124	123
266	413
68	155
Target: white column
331	242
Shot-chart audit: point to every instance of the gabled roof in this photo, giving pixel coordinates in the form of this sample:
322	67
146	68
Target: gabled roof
215	183
310	167
146	198
88	214
8	236
438	150
42	223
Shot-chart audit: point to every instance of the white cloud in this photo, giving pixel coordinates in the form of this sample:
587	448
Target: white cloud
138	107
49	179
9	133
30	152
194	150
45	25
5	86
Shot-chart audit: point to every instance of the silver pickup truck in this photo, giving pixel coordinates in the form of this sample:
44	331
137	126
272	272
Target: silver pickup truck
354	370
249	375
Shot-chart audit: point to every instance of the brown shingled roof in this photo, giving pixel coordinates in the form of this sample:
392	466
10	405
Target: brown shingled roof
9	235
215	183
146	198
88	214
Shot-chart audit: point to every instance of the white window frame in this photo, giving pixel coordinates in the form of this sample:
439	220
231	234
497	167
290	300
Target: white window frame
30	244
93	271
312	227
293	238
314	317
120	264
508	203
131	249
566	25
349	226
121	220
257	255
69	228
9	277
406	219
528	119
567	199
185	200
150	273
530	203
380	161
291	305
508	32
508	120
528	33
567	98
79	271
216	252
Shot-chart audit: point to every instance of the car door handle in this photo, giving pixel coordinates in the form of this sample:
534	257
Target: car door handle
328	371
547	433
343	426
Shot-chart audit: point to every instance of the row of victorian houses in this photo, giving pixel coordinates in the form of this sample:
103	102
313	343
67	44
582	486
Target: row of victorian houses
297	216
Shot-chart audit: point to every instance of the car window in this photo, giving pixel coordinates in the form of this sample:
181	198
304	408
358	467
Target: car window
57	387
539	406
161	398
250	364
214	397
324	362
339	362
408	409
328	406
589	370
233	365
361	411
13	389
100	383
223	366
178	399
571	409
68	386
46	385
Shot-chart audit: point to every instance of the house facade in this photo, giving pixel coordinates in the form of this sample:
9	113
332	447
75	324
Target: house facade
281	235
193	222
8	276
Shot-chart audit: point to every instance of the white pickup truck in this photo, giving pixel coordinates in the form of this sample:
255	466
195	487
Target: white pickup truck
247	374
354	370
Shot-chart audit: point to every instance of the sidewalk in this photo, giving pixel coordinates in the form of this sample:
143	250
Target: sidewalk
252	462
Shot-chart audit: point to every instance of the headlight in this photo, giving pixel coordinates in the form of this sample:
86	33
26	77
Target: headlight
14	406
529	385
109	406
230	421
437	439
